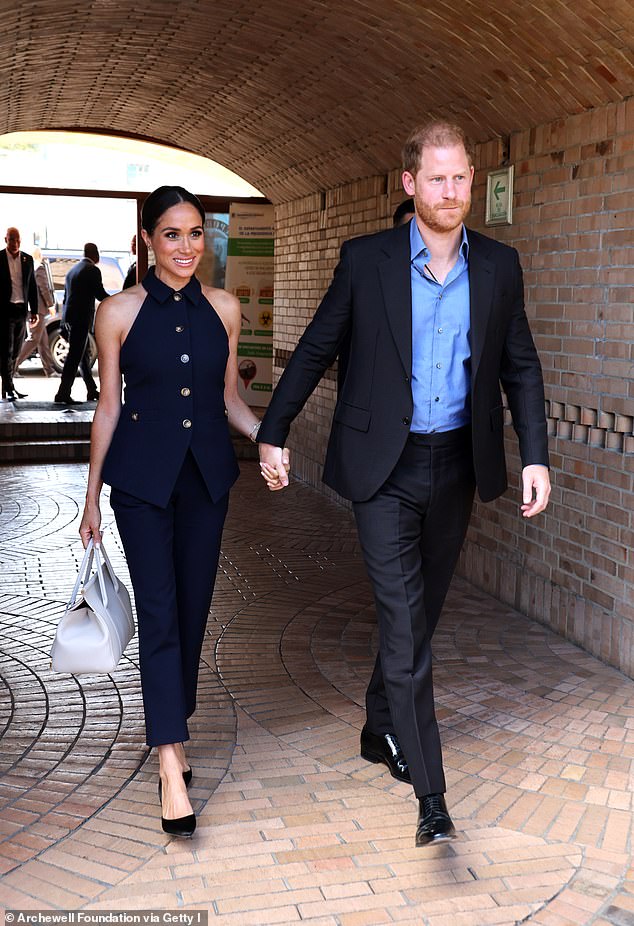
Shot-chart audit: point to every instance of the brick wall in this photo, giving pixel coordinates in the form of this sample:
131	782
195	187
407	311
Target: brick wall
573	219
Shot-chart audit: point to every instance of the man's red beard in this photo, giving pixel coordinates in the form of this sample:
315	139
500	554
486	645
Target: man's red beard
442	218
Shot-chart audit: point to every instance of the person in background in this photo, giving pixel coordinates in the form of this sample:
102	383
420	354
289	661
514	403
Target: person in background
436	320
83	286
39	336
403	213
130	277
18	292
168	456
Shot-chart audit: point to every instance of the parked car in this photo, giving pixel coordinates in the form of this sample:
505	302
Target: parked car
60	263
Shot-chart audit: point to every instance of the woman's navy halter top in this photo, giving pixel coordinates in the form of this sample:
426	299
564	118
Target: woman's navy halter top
173	363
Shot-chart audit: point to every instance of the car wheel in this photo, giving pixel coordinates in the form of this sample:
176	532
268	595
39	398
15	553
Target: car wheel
59	349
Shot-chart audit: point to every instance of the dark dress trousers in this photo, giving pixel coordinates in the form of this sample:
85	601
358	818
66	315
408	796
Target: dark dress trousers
13	315
83	286
412	494
171	464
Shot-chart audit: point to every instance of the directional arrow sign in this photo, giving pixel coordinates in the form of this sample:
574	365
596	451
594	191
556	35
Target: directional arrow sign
498	188
499	201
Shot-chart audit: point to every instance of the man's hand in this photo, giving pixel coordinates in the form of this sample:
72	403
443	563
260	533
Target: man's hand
535	489
274	465
34	320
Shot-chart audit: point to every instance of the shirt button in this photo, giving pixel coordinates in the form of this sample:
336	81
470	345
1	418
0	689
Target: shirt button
440	331
439	366
406	420
177	297
179	328
437	399
185	391
184	358
187	423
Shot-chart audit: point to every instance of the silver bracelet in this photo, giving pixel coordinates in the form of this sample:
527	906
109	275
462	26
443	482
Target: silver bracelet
253	433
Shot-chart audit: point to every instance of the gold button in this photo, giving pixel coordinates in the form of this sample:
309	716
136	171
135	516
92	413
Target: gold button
135	416
184	358
187	423
185	391
177	297
179	328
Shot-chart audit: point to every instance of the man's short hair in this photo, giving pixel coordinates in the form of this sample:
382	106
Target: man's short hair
91	250
433	135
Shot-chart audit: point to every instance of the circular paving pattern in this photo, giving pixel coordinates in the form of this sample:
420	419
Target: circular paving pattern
292	823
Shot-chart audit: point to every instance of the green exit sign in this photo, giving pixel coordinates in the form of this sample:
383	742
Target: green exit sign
499	202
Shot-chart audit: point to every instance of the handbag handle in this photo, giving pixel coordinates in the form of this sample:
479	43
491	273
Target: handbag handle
108	565
100	552
84	570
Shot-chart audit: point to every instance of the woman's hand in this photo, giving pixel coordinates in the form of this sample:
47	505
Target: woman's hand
274	466
90	524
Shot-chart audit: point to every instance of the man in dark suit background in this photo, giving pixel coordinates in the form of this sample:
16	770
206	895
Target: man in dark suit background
83	285
435	321
18	292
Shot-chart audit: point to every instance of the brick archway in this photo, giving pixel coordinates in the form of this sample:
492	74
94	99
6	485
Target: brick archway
303	97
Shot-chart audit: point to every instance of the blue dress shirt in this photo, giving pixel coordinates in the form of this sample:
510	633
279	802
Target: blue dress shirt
441	350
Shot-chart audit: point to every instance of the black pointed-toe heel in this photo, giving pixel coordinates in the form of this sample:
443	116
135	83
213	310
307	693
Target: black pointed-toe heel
187	777
181	826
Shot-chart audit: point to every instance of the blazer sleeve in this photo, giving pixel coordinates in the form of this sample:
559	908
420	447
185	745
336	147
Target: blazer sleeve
315	352
32	287
521	378
100	292
44	290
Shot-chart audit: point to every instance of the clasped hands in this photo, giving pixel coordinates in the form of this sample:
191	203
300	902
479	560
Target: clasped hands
275	464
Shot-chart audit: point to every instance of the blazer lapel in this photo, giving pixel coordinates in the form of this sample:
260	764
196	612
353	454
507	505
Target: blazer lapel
396	285
481	281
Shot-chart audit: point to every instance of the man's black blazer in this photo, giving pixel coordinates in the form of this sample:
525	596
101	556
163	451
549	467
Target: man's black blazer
370	301
29	288
83	284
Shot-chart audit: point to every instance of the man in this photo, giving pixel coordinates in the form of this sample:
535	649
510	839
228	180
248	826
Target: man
17	291
83	285
45	301
403	213
435	316
130	277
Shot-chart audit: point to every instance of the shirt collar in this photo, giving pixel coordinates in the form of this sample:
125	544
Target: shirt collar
418	246
161	292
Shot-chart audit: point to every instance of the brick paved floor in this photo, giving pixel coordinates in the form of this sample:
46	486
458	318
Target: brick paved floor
294	826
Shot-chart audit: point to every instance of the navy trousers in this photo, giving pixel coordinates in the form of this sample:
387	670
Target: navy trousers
411	532
172	555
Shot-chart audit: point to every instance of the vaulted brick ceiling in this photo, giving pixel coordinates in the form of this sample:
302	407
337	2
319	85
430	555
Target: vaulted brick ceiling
302	95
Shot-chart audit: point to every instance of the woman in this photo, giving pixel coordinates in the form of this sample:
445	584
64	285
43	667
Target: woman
39	336
167	455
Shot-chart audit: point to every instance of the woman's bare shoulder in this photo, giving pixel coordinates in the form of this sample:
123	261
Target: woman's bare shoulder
221	299
118	311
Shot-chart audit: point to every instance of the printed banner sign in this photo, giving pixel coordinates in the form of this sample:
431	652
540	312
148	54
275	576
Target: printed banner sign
249	276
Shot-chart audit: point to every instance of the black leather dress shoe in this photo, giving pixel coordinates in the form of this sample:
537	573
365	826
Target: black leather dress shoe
434	823
65	400
93	397
180	826
385	748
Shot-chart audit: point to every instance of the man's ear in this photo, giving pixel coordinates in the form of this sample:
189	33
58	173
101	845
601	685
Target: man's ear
408	182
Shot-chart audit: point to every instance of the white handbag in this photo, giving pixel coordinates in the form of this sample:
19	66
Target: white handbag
95	628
